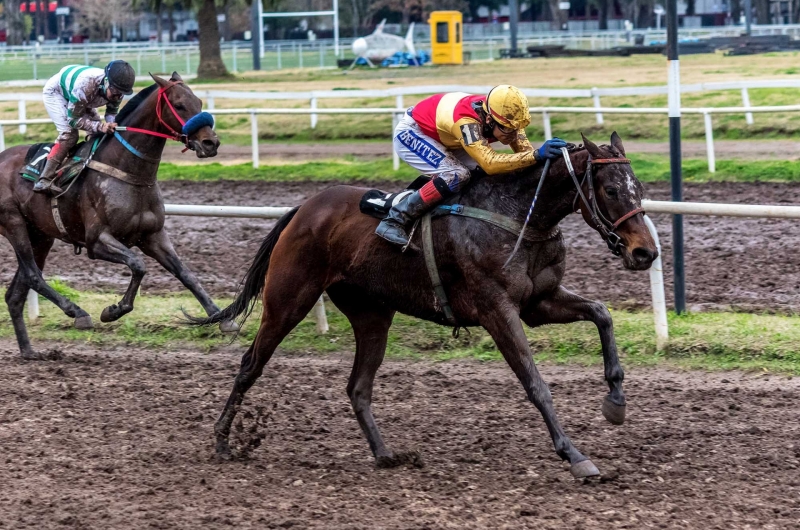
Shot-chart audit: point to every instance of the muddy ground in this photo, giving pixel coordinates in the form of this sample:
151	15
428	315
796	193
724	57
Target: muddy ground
749	264
123	439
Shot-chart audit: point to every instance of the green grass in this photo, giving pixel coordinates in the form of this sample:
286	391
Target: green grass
704	340
648	168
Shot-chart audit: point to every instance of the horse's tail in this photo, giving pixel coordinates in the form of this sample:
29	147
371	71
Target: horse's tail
253	282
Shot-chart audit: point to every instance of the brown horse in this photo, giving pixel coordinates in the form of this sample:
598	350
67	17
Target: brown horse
328	245
106	214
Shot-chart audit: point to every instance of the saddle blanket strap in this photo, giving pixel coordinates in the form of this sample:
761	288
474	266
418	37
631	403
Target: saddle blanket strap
119	174
433	271
57	218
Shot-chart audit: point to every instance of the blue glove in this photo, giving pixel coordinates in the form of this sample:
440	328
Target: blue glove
550	149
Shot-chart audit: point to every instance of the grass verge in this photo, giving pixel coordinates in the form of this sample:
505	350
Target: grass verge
703	340
649	168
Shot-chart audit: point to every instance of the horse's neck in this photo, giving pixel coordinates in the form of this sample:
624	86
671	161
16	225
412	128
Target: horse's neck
511	195
152	147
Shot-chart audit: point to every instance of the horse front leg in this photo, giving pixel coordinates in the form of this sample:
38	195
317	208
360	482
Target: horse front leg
159	247
108	248
503	324
564	307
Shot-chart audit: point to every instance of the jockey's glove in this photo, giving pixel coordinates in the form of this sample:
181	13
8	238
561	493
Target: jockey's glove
107	127
550	149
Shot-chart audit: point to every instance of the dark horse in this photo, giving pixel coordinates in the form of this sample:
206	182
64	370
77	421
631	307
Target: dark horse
103	213
327	244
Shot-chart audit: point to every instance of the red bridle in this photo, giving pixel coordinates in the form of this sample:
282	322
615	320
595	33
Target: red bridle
175	135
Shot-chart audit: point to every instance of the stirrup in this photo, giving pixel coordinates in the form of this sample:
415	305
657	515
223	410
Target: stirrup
46	186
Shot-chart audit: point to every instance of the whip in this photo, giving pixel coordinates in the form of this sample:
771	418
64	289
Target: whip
530	211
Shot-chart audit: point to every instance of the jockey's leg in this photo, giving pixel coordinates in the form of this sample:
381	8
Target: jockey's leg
64	144
410	208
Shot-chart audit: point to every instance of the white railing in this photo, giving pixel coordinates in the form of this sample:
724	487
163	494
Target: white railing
656	270
398	111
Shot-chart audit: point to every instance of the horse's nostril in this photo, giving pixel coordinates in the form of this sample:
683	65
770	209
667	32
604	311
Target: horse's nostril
643	255
209	144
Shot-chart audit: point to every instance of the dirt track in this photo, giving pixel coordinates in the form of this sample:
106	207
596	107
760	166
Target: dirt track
747	263
123	439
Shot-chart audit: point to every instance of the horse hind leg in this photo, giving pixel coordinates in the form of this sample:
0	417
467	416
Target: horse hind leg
283	310
107	248
371	321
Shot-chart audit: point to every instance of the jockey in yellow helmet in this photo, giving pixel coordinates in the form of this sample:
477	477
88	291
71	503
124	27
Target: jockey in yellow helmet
447	135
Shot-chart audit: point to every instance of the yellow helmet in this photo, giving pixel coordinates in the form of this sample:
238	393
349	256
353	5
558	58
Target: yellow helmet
508	106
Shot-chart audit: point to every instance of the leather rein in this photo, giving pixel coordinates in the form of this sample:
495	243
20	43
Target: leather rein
602	224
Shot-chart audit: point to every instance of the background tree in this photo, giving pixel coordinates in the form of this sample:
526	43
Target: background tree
14	23
211	65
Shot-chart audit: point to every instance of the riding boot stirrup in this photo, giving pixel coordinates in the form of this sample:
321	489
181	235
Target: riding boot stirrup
44	184
394	228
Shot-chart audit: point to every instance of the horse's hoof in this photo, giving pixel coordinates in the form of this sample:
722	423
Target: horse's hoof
615	414
84	322
228	326
412	458
114	312
584	469
49	355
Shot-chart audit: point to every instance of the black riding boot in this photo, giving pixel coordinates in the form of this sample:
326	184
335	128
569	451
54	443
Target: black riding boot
401	217
44	184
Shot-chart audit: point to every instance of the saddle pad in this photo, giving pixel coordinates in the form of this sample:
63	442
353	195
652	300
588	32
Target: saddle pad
377	203
36	159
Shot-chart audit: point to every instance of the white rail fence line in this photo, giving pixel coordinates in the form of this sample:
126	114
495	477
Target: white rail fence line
656	270
399	111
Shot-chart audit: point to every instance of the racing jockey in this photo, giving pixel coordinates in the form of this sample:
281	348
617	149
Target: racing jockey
447	135
72	98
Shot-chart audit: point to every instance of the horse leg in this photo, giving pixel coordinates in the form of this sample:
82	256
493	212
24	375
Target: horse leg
284	308
371	321
503	324
107	248
29	276
159	247
564	307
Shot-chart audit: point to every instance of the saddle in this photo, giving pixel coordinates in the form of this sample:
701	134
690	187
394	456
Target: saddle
72	166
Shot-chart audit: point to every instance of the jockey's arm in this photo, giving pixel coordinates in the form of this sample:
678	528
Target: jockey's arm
469	134
521	144
82	117
111	111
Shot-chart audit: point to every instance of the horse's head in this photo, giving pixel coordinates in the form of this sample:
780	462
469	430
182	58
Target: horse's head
614	208
181	111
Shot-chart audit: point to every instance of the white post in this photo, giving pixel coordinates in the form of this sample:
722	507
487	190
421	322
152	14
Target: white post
33	305
321	55
235	66
300	55
35	74
548	133
2	139
23	128
139	63
279	56
210	103
321	317
596	98
85	55
336	28
712	165
254	137
313	116
188	62
398	101
746	103
657	292
491	49
163	61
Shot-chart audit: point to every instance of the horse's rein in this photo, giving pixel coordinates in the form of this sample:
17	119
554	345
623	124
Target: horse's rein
606	228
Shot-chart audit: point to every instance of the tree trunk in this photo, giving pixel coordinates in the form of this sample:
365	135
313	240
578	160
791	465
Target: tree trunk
356	18
559	16
159	21
211	65
171	18
690	8
762	11
15	23
602	8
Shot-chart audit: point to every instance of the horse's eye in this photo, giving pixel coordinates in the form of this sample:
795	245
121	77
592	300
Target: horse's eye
611	192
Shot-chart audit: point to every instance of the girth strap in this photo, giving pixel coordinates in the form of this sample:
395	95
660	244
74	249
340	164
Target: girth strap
119	174
433	270
57	218
501	221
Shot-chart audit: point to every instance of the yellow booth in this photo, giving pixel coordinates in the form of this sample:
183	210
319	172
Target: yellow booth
446	30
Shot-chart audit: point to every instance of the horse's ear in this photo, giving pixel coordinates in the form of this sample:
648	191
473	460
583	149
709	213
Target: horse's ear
176	77
592	148
159	81
616	143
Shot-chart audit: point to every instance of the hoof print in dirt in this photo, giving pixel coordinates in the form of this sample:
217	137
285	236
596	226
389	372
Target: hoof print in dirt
409	459
613	413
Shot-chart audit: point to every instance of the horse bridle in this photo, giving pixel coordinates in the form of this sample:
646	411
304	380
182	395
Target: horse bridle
603	225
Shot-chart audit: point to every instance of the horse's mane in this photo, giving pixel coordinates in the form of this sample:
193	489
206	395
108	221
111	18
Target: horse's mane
134	103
